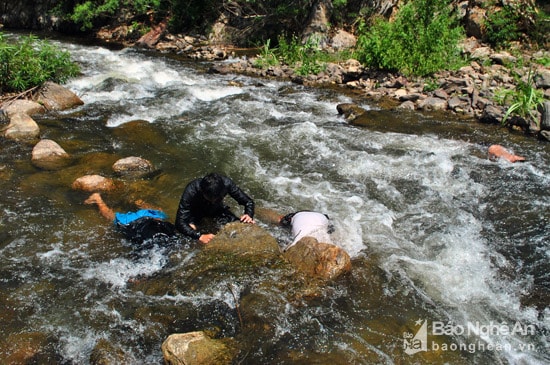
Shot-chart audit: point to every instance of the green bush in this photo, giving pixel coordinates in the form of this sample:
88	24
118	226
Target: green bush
30	62
86	13
502	26
517	21
422	39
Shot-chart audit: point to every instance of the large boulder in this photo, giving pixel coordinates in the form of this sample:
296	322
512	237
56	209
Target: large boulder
318	259
48	155
92	183
57	97
244	239
21	127
196	348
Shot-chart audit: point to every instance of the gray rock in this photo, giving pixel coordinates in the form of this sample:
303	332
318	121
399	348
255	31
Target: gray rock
433	104
542	79
492	114
545	116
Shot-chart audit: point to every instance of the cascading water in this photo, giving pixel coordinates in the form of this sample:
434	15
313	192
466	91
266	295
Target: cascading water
436	231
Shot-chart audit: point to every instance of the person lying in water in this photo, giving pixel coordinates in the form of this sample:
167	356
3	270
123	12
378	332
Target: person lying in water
496	151
307	224
302	224
148	223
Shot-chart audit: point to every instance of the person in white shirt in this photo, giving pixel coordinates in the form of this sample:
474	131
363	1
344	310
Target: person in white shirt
307	223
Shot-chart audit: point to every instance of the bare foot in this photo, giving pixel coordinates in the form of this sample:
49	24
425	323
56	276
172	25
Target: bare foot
95	198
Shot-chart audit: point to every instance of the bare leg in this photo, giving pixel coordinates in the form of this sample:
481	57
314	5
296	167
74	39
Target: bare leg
497	151
104	210
143	205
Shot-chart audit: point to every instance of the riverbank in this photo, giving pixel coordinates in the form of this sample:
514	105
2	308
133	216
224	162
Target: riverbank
472	92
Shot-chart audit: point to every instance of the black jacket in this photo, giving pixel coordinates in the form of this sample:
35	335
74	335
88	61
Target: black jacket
193	206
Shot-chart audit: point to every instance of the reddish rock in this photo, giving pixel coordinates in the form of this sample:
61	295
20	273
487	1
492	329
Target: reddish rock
318	259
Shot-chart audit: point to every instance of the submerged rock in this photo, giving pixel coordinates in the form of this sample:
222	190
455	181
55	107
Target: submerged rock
92	183
133	166
196	348
350	111
48	155
244	239
105	353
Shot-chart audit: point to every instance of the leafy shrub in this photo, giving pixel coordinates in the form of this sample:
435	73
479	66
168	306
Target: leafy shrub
422	39
517	20
30	62
502	26
87	12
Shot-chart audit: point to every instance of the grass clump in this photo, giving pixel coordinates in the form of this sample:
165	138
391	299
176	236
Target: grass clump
523	100
30	62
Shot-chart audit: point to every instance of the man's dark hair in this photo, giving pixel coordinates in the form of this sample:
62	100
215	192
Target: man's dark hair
212	187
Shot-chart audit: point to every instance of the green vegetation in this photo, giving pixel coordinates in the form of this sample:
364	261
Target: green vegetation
421	40
30	62
523	100
86	13
517	21
306	58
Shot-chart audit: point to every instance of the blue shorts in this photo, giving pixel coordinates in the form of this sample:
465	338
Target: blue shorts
126	218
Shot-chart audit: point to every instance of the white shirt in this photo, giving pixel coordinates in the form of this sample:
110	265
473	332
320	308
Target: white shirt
310	224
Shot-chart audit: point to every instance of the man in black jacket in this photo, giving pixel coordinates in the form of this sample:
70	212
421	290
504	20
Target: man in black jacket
203	197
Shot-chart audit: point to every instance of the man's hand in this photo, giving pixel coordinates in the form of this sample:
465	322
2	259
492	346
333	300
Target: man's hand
205	238
245	218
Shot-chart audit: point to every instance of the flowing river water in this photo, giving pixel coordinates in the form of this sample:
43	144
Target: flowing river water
438	234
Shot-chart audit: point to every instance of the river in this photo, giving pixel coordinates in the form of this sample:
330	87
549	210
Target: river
438	234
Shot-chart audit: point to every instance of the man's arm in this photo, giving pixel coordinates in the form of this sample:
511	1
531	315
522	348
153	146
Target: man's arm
240	197
184	216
